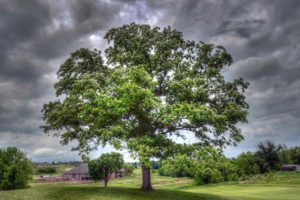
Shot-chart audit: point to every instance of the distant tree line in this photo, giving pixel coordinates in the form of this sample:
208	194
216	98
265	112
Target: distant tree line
211	166
46	170
206	166
38	164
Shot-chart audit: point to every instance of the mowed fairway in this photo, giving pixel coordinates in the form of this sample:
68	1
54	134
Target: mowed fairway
282	186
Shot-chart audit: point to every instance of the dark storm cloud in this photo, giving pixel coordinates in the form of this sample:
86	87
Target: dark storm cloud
263	38
17	27
37	36
21	21
244	28
71	23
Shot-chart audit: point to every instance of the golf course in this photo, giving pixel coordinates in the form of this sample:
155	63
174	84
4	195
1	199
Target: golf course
281	186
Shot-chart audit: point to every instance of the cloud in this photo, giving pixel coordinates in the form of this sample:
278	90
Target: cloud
37	36
45	152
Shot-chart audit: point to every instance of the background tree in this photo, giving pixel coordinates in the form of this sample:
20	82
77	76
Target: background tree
268	156
46	170
15	169
128	168
285	155
247	164
154	85
180	166
295	154
103	167
207	173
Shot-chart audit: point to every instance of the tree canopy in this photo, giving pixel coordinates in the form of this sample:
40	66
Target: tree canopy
152	84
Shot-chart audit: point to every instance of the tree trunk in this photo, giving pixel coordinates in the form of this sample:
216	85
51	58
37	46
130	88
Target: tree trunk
105	183
146	179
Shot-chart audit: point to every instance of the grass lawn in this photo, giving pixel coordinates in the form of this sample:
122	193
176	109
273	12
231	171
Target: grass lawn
283	186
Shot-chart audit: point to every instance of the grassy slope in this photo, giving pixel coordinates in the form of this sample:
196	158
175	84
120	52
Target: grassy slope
279	186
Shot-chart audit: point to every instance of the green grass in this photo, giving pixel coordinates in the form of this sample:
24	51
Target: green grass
276	178
283	186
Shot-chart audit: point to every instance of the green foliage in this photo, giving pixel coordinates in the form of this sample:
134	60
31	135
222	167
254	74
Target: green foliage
268	156
128	168
46	170
214	167
15	169
205	175
155	84
180	166
295	154
285	156
136	165
247	164
289	155
105	165
228	169
207	166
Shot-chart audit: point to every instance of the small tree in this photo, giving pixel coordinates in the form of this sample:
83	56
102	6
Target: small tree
15	169
268	156
154	84
103	167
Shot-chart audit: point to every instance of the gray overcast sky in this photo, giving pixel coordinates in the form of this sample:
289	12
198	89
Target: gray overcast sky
37	36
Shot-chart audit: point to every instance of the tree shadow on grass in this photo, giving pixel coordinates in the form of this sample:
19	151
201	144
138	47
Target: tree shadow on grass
123	193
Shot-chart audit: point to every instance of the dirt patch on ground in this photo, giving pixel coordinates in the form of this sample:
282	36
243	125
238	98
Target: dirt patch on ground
178	182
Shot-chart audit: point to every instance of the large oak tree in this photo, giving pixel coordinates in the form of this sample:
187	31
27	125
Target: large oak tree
152	85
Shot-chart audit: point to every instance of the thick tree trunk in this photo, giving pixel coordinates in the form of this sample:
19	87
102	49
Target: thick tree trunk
146	179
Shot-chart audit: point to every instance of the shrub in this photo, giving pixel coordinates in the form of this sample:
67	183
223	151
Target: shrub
246	164
205	175
180	166
128	168
15	169
228	170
